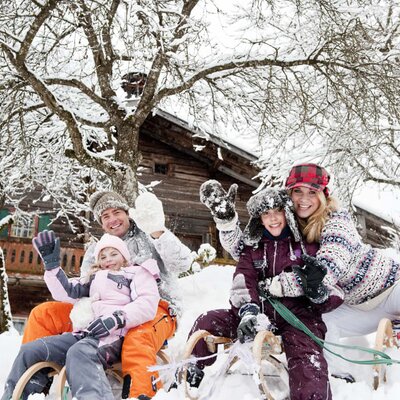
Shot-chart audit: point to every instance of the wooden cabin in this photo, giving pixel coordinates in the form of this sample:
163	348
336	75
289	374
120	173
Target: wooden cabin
170	156
375	230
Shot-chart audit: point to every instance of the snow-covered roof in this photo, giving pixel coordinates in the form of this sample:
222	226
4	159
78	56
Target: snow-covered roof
208	136
380	200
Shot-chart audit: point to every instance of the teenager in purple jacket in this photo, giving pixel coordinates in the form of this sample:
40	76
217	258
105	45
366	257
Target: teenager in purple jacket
272	244
123	296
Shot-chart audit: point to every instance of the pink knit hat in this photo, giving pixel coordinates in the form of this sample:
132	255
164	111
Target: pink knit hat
108	240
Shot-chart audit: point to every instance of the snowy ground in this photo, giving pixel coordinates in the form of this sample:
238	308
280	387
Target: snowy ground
207	290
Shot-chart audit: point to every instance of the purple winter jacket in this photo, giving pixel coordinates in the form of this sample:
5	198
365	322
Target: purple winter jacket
267	260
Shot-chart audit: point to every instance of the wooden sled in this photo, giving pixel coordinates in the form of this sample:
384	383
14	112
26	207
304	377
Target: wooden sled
384	340
25	378
265	345
115	372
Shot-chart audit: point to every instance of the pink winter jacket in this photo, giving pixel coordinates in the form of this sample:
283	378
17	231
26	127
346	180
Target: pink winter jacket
132	289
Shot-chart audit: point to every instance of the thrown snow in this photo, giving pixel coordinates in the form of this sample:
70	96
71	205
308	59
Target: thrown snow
207	290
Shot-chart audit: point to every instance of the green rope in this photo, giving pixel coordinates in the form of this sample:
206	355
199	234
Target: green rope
287	315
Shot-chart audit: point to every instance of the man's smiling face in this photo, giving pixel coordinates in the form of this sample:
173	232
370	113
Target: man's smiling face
115	221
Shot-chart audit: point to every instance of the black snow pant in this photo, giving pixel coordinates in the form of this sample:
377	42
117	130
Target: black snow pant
84	360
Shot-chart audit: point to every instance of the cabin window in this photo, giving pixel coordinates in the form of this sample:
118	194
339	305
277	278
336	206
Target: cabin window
161	169
23	227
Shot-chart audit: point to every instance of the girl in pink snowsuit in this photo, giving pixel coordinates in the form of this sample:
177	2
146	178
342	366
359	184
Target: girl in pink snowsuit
123	296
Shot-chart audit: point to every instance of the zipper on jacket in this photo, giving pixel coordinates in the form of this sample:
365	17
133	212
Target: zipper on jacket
273	267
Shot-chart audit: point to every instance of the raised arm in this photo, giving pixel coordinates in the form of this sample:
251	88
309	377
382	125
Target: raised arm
60	287
148	215
222	207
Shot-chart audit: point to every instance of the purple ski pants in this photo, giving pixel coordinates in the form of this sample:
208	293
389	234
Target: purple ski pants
307	367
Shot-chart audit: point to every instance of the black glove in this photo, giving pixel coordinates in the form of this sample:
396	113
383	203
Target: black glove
311	277
48	248
220	203
248	323
104	326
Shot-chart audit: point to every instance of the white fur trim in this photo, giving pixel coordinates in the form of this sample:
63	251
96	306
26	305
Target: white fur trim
276	288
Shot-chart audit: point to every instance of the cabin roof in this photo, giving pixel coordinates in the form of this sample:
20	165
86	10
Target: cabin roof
207	136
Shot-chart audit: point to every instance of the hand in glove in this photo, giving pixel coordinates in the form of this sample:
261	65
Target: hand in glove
248	323
220	203
104	326
148	213
311	277
48	248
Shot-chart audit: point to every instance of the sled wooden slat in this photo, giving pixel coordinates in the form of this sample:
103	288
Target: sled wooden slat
25	378
264	346
384	339
115	371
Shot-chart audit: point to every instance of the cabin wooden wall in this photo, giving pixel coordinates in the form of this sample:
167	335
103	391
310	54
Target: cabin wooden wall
180	178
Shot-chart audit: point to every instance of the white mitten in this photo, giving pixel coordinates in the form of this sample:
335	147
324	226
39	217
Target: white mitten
148	213
82	313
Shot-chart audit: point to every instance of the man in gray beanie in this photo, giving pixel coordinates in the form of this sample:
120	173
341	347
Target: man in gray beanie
143	230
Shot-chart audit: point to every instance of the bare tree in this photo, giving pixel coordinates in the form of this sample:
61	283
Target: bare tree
297	73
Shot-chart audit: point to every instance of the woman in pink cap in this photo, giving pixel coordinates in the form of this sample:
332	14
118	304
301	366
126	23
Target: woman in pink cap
367	277
122	296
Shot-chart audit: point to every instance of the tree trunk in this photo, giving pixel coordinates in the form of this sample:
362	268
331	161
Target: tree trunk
5	310
127	154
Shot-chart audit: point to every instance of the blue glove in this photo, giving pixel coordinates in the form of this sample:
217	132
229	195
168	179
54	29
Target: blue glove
104	326
248	323
48	248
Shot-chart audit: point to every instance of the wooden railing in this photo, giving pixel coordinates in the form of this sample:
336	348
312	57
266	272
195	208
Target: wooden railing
22	258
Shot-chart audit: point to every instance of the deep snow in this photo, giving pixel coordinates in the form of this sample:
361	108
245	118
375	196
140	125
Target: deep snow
207	290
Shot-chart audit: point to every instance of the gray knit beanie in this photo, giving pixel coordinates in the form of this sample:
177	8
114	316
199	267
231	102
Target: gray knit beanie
100	201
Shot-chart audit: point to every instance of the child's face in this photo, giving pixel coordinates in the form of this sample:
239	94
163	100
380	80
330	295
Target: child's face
110	258
274	221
